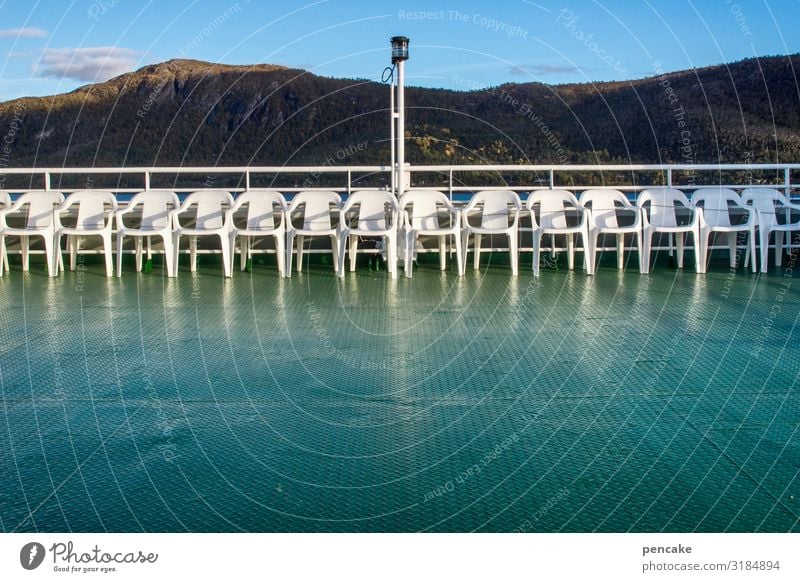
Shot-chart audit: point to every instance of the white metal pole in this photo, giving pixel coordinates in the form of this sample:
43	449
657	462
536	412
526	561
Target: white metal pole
392	137
401	129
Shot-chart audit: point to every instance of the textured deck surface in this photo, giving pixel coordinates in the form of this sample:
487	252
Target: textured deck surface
615	403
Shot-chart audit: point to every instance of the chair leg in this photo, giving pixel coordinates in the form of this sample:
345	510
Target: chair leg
289	253
459	254
170	255
57	250
513	252
24	245
342	252
778	247
72	243
409	254
139	243
590	251
353	251
391	254
242	250
300	244
107	252
620	251
50	255
227	264
702	254
751	250
192	254
679	244
476	253
442	253
464	250
335	253
571	251
644	246
4	253
280	254
537	249
120	236
763	236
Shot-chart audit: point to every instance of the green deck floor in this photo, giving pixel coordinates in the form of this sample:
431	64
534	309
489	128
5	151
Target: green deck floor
615	403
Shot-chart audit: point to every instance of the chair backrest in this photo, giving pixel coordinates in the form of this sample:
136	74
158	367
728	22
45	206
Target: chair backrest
551	206
92	206
495	212
211	206
156	206
604	205
763	200
424	208
261	208
372	208
40	207
715	203
316	208
662	205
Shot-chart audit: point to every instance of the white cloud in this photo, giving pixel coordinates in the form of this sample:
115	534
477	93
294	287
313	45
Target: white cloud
23	33
94	64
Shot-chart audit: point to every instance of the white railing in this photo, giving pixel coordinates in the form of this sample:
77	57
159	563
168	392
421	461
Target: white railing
452	179
44	177
606	176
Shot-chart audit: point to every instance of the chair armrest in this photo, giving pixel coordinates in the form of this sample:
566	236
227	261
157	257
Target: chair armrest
174	219
534	223
699	216
643	216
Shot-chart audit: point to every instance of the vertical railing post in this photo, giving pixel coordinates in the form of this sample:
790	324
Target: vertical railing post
146	179
450	182
552	178
669	177
349	182
47	180
247	180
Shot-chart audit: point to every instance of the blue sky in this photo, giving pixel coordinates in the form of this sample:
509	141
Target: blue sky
51	46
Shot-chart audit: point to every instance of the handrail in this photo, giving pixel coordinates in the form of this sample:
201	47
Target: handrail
781	180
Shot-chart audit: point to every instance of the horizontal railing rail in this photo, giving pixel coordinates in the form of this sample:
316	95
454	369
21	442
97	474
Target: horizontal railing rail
551	176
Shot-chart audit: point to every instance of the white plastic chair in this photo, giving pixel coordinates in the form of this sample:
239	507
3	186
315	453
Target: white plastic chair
5	202
39	222
499	216
765	201
603	206
376	217
422	216
553	221
260	222
157	207
661	204
95	218
713	206
210	207
317	220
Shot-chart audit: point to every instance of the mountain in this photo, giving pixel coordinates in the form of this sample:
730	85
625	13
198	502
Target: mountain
184	112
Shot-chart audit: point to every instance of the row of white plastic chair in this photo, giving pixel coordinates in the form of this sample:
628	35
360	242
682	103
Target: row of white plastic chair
375	213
